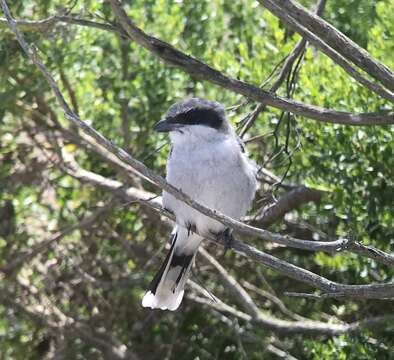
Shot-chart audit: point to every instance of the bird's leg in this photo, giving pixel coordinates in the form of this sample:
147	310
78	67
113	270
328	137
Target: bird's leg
191	228
227	237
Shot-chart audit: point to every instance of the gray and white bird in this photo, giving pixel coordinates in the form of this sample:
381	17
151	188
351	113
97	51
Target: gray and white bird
207	162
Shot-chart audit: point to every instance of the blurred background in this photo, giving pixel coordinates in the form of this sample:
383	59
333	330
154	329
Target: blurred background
76	255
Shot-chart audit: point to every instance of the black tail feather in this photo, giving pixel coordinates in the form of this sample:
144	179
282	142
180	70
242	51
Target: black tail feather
156	280
177	260
183	261
167	287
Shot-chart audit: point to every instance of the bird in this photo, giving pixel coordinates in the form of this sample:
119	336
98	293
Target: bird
208	162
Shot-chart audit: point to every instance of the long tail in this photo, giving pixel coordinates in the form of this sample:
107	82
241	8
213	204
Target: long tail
166	289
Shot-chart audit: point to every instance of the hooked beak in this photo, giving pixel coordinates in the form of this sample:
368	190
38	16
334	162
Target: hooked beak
165	126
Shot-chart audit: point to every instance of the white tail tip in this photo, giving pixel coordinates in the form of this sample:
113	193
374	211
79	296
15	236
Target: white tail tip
155	301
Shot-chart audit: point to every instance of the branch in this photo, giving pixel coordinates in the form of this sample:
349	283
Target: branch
244	298
291	58
336	40
351	291
28	25
376	291
217	304
279	352
130	194
154	201
202	71
288	327
317	296
46	24
366	291
236	289
274	299
371	252
330	52
288	202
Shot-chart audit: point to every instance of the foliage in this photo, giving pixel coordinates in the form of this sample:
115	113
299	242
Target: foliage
122	91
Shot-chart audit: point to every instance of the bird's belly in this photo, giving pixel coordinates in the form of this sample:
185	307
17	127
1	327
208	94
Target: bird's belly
217	183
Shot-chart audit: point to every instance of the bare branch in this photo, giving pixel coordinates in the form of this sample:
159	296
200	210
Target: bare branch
371	252
46	24
70	91
279	353
202	71
361	291
291	58
236	289
313	328
128	194
217	304
377	291
288	202
274	299
32	25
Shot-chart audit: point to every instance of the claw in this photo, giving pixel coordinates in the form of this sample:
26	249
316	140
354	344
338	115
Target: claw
227	237
191	228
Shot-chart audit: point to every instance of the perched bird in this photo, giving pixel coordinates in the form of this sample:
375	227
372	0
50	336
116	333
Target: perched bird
207	162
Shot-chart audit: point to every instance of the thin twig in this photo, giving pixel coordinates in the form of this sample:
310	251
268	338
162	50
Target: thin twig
300	20
312	328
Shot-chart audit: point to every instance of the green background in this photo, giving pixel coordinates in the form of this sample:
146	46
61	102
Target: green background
354	165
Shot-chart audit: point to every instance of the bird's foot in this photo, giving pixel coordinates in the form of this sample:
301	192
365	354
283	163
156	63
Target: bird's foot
227	237
191	228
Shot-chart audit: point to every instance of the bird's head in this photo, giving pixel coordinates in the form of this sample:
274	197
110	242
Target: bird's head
194	118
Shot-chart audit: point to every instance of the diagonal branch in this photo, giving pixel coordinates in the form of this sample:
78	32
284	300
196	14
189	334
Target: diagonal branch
275	300
153	201
236	289
285	326
292	271
48	23
202	71
292	57
288	202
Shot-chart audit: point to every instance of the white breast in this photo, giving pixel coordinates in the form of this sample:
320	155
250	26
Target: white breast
210	167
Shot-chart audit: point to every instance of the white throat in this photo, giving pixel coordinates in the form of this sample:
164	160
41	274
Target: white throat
197	135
